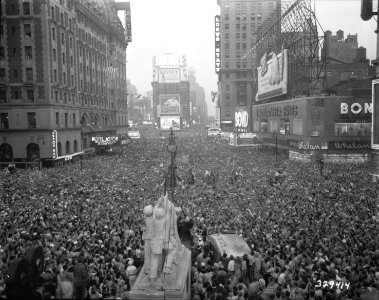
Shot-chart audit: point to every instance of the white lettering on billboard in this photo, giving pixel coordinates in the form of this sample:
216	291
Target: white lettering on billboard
241	119
356	108
272	76
168	75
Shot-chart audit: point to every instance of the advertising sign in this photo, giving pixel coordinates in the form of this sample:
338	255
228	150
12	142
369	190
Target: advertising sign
54	142
308	145
103	141
217	44
170	104
128	23
134	134
169	75
355	145
241	120
170	121
272	76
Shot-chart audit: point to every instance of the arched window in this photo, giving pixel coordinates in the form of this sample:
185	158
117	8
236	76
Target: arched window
59	149
6	152
32	151
67	147
75	146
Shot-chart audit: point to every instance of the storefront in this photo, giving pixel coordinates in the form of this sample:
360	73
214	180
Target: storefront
333	127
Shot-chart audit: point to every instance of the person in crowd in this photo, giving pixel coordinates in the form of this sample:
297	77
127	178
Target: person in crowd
305	232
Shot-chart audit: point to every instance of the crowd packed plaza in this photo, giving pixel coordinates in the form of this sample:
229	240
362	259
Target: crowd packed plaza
311	236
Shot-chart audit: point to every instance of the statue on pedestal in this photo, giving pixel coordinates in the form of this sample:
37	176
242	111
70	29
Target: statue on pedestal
161	238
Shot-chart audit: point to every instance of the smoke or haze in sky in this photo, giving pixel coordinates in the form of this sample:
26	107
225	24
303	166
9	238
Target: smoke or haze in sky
186	27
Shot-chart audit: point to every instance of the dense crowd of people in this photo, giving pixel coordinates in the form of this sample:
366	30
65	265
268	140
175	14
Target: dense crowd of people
311	237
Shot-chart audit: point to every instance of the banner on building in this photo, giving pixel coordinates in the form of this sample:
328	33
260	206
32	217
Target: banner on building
169	104
168	75
272	76
128	23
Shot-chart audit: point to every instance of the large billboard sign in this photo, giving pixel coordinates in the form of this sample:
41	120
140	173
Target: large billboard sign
217	44
128	23
241	120
375	115
272	75
170	104
168	75
168	122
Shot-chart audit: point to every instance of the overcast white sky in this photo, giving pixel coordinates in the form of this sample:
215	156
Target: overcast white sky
186	27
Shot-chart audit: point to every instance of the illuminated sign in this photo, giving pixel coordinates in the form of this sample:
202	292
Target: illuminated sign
54	142
168	75
128	24
217	44
101	141
170	104
355	145
241	119
168	122
356	108
308	145
272	76
134	134
284	111
375	116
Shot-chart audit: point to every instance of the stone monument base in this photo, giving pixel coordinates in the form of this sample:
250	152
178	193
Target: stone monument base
176	285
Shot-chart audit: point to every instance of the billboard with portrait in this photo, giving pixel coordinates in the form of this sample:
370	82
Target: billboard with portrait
168	122
169	104
272	75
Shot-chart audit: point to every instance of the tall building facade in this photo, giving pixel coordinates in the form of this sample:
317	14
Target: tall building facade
198	106
238	22
62	76
171	91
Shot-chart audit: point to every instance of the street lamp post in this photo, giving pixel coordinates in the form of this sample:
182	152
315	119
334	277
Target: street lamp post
172	148
275	135
321	163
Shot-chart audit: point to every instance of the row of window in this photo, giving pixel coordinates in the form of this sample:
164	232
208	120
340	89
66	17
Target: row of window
31	120
28	74
11	9
27	30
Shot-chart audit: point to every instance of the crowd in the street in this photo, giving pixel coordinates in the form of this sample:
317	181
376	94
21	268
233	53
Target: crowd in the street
311	237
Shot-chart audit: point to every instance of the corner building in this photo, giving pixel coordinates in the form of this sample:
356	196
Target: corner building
62	77
239	21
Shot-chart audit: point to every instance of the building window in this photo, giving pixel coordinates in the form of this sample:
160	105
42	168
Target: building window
29	74
2	56
52	12
56	96
14	52
226	26
55	54
238	26
57	118
63	58
3	95
32	123
2	74
28	52
74	119
62	38
227	113
1	30
26	8
55	75
53	33
15	73
30	95
28	30
66	119
4	121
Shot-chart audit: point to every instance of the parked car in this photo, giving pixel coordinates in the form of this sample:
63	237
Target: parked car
214	131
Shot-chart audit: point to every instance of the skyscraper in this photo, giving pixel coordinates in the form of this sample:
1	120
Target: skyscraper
239	20
62	76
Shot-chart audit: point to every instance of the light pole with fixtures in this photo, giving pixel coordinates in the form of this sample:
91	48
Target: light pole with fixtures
172	148
275	135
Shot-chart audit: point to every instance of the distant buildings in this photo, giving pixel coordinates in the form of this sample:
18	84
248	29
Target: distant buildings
62	77
348	71
198	106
